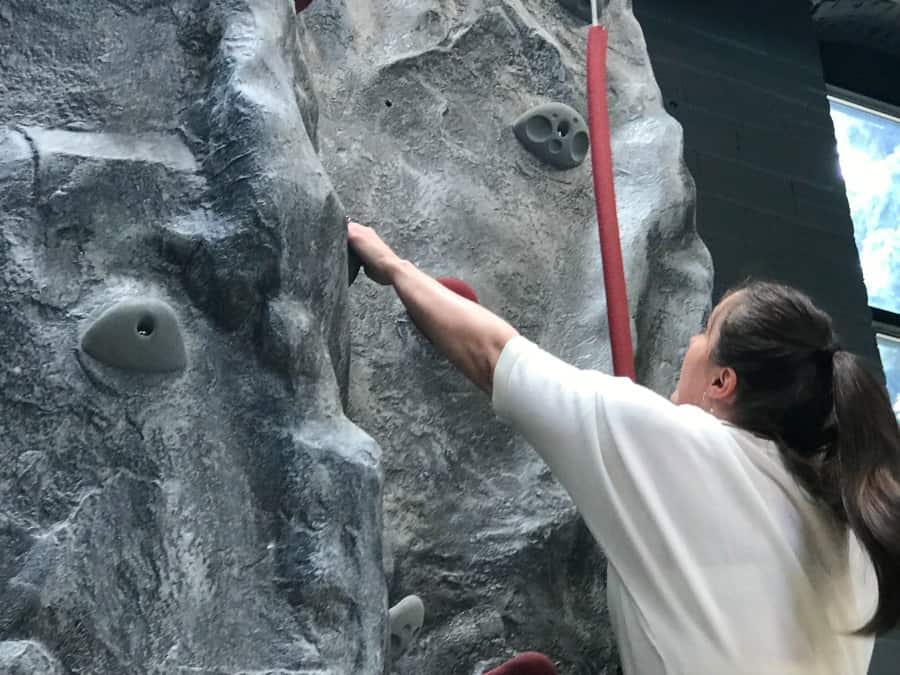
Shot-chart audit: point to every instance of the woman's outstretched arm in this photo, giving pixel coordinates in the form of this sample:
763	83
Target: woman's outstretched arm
470	336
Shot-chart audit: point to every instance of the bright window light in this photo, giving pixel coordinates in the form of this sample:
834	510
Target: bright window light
868	143
889	348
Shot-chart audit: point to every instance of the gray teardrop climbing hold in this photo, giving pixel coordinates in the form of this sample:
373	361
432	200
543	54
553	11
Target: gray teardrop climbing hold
554	133
406	620
138	334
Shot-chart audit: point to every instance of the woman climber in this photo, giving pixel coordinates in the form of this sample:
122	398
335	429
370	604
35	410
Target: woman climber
752	523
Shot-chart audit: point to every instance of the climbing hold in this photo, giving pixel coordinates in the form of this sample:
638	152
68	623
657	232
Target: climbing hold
406	619
300	5
555	134
459	287
580	8
138	334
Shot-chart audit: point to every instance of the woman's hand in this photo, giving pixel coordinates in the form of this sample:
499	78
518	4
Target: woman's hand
468	334
377	258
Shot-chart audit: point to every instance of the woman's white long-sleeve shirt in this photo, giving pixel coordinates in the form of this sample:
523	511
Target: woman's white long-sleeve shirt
718	562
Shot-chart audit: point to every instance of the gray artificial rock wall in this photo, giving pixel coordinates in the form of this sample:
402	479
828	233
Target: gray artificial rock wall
226	517
417	104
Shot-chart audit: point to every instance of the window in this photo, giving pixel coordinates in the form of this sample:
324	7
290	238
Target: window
868	141
889	348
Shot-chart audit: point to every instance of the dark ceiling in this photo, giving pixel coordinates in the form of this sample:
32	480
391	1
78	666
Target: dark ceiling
869	23
860	45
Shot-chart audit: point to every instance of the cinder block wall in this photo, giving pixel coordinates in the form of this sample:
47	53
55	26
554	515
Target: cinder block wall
746	82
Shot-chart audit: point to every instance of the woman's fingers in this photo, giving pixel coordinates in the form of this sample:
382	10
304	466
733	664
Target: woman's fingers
376	256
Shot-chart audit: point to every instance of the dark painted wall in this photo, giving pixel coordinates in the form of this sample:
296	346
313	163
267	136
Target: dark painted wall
745	80
862	70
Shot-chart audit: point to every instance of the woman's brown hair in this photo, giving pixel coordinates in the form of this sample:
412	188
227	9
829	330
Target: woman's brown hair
829	414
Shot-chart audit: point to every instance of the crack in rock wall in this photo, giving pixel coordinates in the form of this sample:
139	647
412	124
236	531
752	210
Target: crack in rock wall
197	159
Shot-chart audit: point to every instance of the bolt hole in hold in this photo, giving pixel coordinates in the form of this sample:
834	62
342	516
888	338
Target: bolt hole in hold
538	129
145	326
563	129
387	103
139	334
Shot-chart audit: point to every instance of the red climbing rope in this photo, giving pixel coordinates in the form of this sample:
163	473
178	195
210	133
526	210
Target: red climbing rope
605	196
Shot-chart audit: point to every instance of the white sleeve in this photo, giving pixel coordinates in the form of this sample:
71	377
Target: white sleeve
630	459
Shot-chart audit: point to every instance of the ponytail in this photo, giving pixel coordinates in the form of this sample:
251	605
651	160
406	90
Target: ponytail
829	415
868	454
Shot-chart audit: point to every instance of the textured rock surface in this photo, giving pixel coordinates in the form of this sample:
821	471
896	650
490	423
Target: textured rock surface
225	518
417	101
27	658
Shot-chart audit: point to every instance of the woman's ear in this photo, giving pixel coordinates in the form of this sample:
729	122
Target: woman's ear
724	385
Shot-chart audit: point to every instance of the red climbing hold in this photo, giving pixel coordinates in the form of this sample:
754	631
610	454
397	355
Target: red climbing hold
300	5
529	663
459	287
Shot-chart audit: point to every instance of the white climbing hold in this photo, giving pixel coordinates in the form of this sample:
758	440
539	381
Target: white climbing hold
406	620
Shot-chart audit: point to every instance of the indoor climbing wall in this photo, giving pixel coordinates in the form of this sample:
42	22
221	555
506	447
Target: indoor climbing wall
181	487
180	491
457	129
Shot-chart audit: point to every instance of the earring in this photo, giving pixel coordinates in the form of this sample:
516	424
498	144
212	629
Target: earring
703	403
